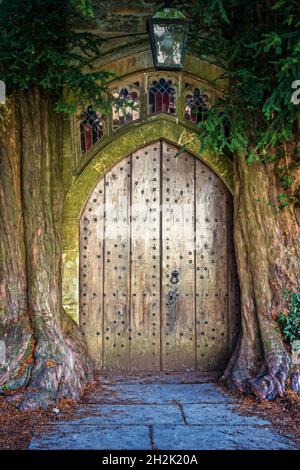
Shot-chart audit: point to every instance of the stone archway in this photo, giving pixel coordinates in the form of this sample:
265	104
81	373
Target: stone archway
157	282
78	194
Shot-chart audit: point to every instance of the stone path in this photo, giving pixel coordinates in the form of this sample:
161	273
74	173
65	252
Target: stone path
162	416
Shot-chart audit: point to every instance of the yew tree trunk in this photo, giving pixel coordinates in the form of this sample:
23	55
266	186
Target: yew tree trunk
15	323
46	356
267	244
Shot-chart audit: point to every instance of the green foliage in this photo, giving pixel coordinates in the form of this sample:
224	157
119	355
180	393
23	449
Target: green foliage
84	6
40	47
286	172
286	181
289	318
285	200
257	45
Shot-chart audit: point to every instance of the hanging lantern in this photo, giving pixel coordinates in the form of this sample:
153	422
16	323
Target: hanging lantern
168	30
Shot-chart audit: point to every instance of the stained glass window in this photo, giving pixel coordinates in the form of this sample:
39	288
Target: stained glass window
126	106
162	97
196	106
91	128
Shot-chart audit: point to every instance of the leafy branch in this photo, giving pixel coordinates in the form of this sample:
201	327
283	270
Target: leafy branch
40	47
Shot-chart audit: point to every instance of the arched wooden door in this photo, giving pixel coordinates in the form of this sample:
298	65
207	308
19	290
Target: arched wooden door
158	287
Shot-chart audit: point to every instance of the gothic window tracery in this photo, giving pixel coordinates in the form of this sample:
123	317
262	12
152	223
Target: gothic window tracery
91	128
126	105
162	96
196	106
141	97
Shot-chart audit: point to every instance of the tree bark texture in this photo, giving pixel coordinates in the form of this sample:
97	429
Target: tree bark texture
46	355
267	245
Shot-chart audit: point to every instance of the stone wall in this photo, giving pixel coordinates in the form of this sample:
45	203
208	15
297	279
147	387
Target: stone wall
123	22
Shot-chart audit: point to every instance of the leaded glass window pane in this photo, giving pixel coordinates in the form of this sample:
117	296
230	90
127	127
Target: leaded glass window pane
91	128
126	105
196	106
162	97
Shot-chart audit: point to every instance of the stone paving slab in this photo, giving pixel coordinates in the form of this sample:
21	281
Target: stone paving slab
218	438
222	414
160	393
130	414
83	437
179	416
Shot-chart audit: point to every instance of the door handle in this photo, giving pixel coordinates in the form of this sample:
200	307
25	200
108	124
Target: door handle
174	277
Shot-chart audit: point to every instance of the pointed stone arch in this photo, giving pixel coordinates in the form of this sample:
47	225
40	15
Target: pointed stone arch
121	146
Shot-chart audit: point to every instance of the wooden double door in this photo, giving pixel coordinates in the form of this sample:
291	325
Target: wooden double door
158	287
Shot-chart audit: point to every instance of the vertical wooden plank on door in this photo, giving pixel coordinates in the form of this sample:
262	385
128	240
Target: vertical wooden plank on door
116	266
211	270
91	272
145	259
178	300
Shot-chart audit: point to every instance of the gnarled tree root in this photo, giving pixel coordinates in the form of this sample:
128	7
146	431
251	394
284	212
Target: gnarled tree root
54	365
267	383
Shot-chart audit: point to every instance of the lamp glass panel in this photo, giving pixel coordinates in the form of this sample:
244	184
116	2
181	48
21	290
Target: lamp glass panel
169	41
